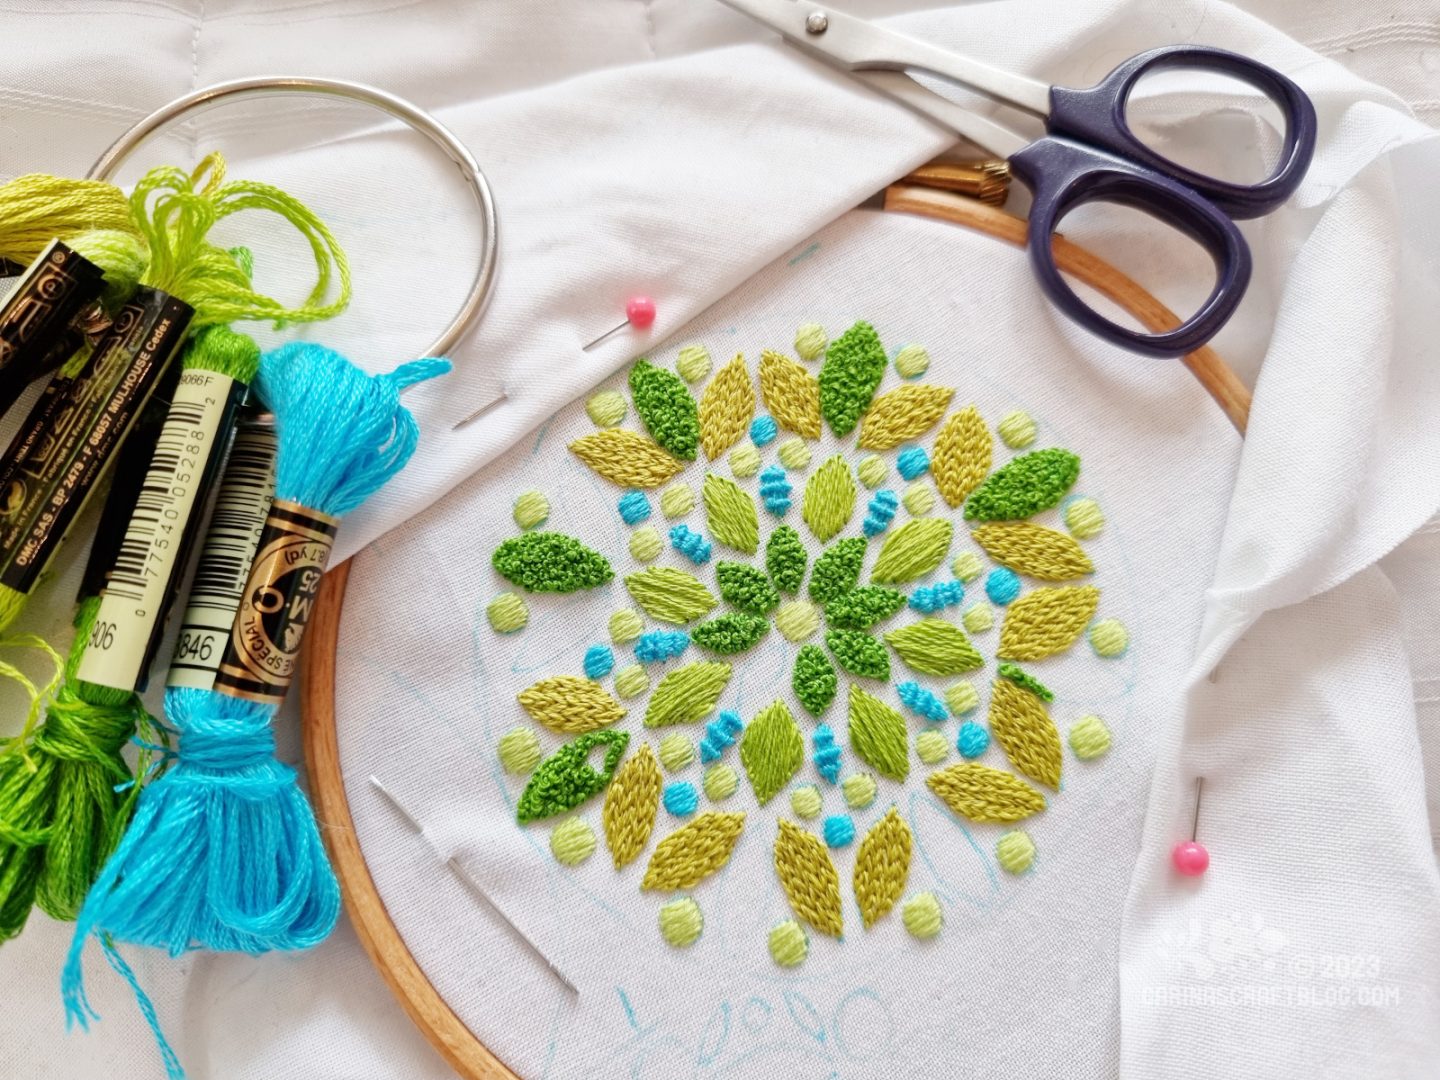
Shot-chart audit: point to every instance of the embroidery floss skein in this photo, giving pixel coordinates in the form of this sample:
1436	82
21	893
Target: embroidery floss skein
65	790
223	851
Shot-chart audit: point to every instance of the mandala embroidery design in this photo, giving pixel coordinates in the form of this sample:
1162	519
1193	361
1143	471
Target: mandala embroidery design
884	621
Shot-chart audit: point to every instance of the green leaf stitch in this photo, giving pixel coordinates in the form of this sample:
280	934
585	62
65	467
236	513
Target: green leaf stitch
862	608
771	751
785	558
1027	681
935	647
877	734
837	571
746	587
665	404
730	634
550	562
829	498
913	550
566	779
687	695
1028	484
669	595
859	654
730	513
854	365
814	680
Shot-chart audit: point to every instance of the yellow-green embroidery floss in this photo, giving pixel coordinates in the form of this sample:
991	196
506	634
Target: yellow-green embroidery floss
721	781
967	566
810	341
676	752
1089	738
572	841
681	922
677	500
797	619
912	361
794	454
632	681
789	944
507	613
606	409
1084	519
805	801
978	618
531	509
625	626
962	698
519	751
744	461
645	543
872	471
693	363
1109	638
1015	851
919	498
859	790
1017	430
922	915
931	747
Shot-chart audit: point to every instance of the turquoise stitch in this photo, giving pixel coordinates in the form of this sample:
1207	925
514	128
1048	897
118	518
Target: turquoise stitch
919	700
973	740
839	830
775	490
692	545
681	798
661	645
912	461
599	661
634	507
932	598
720	734
763	430
1002	586
881	511
827	754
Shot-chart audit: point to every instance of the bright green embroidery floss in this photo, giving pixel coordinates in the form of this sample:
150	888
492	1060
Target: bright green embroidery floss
550	562
935	647
730	514
785	559
566	779
693	363
670	413
771	750
677	500
730	634
1031	483
814	680
681	922
507	613
1027	681
531	509
688	694
1089	737
854	365
860	609
632	681
744	460
1084	519
1015	851
859	790
967	566
721	781
788	944
922	916
797	620
572	841
794	453
872	471
519	750
837	570
912	361
931	746
676	752
805	801
625	626
810	341
645	544
878	735
747	588
859	654
607	408
978	618
912	551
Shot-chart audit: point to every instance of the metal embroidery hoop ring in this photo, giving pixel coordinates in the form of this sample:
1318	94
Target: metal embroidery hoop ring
411	115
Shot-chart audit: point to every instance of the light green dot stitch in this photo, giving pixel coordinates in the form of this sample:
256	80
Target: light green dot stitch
859	790
531	509
1084	519
744	460
676	752
912	361
507	613
607	408
1109	638
693	363
806	802
872	471
797	620
922	916
978	618
677	500
519	751
919	499
572	841
1089	737
632	681
810	341
788	944
794	454
931	746
1015	851
721	781
962	698
681	922
967	566
645	543
625	626
1017	429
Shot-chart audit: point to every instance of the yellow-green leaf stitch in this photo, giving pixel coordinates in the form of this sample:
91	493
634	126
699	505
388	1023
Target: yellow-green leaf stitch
693	852
935	647
962	455
726	408
854	365
877	734
829	498
669	595
1033	550
913	550
1028	484
566	778
570	704
630	807
687	695
882	866
730	513
771	750
1044	622
985	794
1022	726
808	876
625	458
791	394
902	414
664	403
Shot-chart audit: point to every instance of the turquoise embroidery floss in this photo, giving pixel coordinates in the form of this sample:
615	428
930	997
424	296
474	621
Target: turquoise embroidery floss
634	507
681	799
720	734
691	544
973	740
943	594
922	702
881	512
827	754
763	430
775	490
839	831
658	645
599	661
1002	585
223	851
912	462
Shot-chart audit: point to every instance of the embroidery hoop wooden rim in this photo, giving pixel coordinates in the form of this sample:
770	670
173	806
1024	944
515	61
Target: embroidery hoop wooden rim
465	1053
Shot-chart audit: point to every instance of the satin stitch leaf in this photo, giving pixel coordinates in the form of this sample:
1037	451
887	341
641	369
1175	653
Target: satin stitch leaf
913	550
935	647
771	750
687	695
829	498
670	595
730	513
877	734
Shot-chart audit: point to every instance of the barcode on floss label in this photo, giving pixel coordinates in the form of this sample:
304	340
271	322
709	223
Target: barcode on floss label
160	532
241	506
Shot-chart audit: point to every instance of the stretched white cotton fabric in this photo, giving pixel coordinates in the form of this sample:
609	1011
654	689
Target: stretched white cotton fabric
630	151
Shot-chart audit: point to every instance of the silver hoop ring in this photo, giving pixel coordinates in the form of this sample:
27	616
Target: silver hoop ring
413	116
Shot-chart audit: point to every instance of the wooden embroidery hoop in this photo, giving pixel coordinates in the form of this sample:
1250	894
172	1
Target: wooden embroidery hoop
929	192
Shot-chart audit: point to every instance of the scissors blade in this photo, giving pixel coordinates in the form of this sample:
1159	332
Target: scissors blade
863	49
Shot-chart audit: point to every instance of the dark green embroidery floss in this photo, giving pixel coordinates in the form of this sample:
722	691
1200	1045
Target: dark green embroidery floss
665	404
814	680
566	779
747	588
837	571
730	634
550	562
785	558
860	609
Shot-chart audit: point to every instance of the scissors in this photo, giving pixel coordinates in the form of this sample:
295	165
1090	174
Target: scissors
1088	154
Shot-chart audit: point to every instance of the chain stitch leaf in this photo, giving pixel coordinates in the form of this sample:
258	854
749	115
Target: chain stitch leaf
854	365
1022	726
829	498
570	704
693	852
630	807
771	750
664	403
882	866
687	695
963	452
1044	622
670	595
1033	550
985	794
726	408
1028	484
878	735
808	876
935	647
550	562
730	513
903	414
791	394
566	779
912	551
626	458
